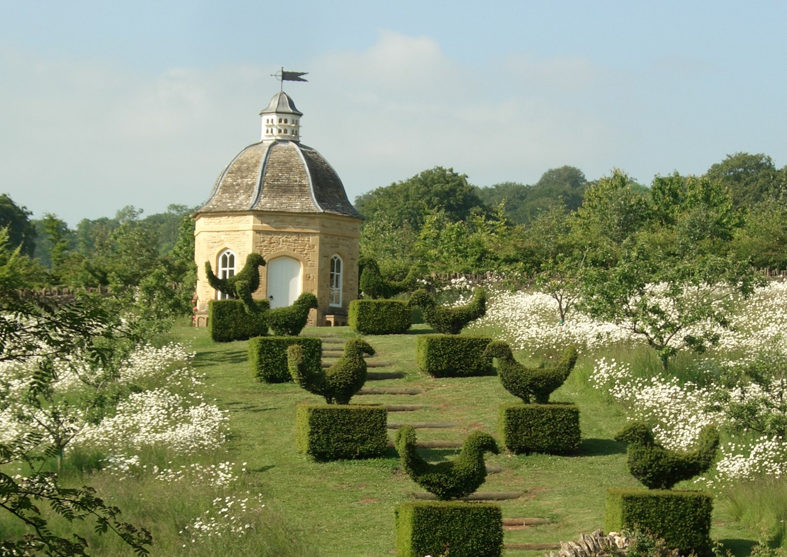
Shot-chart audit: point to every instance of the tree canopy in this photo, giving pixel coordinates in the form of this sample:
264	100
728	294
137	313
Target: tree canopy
564	185
21	232
407	202
751	178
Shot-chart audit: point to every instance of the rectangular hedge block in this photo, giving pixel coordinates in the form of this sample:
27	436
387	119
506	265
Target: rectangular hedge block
453	355
228	320
379	317
341	431
539	428
268	356
456	528
681	518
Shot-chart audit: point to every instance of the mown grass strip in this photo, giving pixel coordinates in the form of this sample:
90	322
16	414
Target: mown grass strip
478	496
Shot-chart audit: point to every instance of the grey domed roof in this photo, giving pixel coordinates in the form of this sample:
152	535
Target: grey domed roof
279	176
281	103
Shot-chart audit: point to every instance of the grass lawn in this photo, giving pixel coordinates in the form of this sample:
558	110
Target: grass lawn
346	508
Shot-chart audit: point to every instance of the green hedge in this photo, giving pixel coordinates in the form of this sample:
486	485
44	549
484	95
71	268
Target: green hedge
268	356
379	317
453	356
681	518
457	528
228	320
337	431
539	428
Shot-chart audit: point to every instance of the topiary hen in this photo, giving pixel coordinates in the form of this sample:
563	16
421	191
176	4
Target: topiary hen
449	320
660	468
340	381
526	382
241	285
447	480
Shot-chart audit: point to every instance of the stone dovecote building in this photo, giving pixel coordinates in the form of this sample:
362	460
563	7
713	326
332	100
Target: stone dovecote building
283	200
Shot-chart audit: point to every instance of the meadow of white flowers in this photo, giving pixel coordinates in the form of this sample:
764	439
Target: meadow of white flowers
174	417
677	410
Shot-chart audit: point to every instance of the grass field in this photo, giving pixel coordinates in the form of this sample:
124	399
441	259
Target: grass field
346	508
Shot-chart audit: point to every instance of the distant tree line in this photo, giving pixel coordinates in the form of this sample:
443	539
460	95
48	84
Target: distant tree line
436	219
440	220
155	253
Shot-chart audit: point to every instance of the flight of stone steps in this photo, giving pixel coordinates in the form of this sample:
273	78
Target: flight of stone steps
380	369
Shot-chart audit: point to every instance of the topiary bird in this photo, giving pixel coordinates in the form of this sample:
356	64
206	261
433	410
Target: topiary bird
449	320
373	285
241	285
526	382
447	480
339	382
290	320
660	468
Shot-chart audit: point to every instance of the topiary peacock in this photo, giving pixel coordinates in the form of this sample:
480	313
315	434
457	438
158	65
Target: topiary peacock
340	381
448	480
290	320
373	285
449	320
660	468
241	285
526	382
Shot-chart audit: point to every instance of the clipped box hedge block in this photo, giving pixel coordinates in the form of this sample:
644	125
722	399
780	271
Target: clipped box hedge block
379	317
268	356
681	518
453	356
341	431
228	320
539	428
456	528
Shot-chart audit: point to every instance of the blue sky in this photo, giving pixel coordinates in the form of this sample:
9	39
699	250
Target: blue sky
108	104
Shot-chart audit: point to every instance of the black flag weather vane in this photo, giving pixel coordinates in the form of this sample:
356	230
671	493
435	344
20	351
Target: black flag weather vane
284	75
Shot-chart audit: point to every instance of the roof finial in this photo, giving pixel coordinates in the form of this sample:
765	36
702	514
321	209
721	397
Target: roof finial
283	76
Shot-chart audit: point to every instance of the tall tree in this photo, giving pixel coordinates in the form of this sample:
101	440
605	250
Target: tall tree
612	211
675	277
750	178
21	232
436	189
564	185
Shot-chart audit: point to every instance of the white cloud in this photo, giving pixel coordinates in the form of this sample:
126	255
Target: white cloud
86	139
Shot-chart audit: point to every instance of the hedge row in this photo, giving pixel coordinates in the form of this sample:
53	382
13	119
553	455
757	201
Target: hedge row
453	356
268	356
539	428
379	317
681	518
228	320
454	528
333	432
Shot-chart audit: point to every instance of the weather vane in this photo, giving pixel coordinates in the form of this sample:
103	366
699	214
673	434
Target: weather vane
283	76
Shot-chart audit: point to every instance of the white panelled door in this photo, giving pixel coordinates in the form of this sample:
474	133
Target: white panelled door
284	281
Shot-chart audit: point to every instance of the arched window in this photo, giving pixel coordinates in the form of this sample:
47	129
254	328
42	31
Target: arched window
226	269
336	281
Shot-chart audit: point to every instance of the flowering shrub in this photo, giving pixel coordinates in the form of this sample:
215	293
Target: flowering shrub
678	413
529	321
157	418
766	457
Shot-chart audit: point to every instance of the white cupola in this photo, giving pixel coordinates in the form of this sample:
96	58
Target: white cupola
280	119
